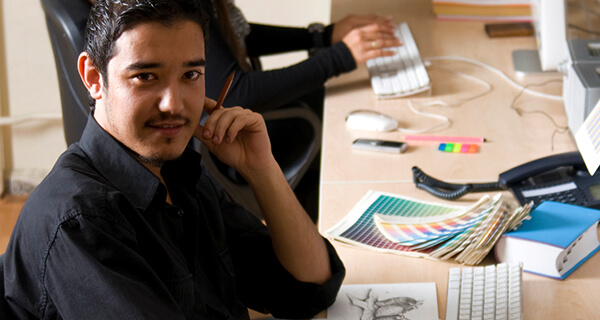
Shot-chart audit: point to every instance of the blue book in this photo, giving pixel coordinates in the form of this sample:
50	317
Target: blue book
556	240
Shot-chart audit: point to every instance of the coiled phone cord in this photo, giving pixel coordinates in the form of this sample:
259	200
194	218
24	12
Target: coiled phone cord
449	191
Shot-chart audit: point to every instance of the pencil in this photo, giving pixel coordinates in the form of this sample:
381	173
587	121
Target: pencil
225	90
419	137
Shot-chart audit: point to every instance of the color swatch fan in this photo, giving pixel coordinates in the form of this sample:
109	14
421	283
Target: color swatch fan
396	224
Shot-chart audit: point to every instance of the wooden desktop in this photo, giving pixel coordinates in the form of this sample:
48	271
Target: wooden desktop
513	138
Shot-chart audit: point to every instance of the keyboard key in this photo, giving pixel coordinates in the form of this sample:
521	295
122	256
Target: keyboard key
486	293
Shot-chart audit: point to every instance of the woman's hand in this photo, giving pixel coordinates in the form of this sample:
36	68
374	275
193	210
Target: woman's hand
367	36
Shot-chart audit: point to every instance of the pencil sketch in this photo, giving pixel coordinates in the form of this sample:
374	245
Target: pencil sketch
391	301
392	309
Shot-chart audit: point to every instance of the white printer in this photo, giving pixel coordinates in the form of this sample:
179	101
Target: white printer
581	85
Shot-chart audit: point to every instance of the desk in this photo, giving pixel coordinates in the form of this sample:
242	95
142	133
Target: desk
346	175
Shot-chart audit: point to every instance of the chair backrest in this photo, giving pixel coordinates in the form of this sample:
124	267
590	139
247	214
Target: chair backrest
66	21
294	159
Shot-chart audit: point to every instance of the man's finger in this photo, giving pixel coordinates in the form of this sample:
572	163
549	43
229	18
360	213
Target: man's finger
209	105
199	133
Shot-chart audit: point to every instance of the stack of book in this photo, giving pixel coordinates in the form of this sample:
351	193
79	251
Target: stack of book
483	10
396	224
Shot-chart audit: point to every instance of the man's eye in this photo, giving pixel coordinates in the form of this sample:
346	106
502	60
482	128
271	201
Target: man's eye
192	75
145	76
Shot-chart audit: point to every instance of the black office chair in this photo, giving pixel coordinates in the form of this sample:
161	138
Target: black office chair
66	21
66	25
294	163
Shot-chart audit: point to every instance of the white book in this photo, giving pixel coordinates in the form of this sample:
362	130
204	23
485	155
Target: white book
557	239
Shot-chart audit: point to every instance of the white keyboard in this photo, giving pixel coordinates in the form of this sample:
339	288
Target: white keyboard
402	74
491	292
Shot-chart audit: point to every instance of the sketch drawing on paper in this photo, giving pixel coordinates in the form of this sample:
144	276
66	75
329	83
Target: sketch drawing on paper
389	309
385	301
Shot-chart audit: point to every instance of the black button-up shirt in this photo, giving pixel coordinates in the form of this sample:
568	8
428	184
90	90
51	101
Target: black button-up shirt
97	240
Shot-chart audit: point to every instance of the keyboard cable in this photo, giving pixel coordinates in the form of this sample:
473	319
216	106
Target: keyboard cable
445	120
498	72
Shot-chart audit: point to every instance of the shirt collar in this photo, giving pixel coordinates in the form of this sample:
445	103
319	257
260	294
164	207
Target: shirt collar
114	161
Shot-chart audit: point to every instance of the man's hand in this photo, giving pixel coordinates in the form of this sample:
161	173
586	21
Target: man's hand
367	36
237	136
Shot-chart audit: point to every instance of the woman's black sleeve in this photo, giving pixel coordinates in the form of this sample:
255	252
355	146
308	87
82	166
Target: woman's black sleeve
266	39
266	90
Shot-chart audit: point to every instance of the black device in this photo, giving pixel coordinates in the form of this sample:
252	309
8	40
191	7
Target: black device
562	178
379	145
495	30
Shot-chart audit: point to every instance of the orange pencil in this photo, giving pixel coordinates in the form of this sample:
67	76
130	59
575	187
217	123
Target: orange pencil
225	90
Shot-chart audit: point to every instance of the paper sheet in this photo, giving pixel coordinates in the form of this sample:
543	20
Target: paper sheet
588	140
410	301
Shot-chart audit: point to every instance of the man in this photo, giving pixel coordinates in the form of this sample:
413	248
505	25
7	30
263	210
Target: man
128	226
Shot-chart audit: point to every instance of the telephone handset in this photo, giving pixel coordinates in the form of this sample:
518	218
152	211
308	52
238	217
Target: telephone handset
562	178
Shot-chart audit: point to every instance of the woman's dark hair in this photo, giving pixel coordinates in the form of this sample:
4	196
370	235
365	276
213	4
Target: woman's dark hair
223	21
110	18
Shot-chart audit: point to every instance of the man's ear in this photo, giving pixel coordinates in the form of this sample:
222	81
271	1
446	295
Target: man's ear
91	77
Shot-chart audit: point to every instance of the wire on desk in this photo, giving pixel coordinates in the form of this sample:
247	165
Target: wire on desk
558	128
445	120
498	72
587	11
582	29
459	102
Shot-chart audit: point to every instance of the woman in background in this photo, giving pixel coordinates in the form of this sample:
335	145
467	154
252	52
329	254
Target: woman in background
334	49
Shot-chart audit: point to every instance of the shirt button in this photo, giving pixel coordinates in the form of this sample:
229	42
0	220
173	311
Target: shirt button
180	212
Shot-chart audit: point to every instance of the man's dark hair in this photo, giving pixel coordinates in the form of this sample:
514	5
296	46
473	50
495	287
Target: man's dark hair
110	18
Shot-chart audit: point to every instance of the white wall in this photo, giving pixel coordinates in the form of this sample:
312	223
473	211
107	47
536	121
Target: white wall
32	88
286	13
32	85
2	166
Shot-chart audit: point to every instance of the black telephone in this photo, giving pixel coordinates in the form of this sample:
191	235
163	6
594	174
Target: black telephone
562	178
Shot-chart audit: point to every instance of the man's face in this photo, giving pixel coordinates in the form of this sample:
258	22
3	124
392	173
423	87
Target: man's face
155	93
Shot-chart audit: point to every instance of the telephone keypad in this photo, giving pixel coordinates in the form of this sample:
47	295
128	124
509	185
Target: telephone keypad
575	197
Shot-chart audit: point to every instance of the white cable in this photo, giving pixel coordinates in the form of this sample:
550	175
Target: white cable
446	121
7	121
500	73
459	102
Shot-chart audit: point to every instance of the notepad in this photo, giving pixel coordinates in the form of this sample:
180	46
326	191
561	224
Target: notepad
558	239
